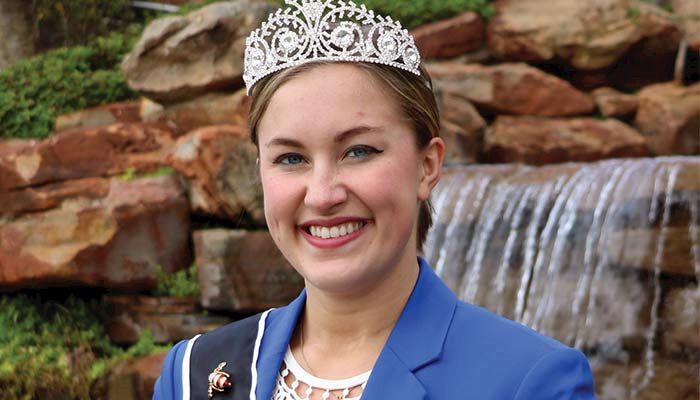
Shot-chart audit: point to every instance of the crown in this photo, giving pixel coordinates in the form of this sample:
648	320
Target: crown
328	30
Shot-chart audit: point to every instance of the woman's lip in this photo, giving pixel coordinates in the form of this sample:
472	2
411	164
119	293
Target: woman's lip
332	243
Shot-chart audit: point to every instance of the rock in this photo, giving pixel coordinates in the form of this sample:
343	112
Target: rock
586	35
134	379
689	13
108	114
681	315
33	199
539	141
669	116
209	109
219	163
17	30
81	153
243	271
118	241
510	89
670	380
450	37
180	57
612	103
462	129
169	319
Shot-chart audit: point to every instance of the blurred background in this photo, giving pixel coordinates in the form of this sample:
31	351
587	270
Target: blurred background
131	215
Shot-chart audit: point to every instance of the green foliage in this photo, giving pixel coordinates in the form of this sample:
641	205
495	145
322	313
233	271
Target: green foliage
130	173
73	22
56	349
180	284
34	91
412	13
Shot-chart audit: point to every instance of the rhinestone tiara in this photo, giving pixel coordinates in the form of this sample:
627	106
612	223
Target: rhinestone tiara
328	30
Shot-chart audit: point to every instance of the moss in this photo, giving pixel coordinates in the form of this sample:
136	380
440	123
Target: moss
34	91
180	284
56	349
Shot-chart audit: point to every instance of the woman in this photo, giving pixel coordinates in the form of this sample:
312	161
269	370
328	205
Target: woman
347	131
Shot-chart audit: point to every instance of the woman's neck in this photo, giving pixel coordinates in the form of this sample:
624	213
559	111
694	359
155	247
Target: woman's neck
351	328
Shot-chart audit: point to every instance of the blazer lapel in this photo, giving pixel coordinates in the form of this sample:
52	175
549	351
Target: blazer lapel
278	331
416	341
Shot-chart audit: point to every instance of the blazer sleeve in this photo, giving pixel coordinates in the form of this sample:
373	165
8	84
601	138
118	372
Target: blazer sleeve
563	374
169	385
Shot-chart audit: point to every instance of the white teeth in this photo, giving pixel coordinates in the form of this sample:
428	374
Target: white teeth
335	231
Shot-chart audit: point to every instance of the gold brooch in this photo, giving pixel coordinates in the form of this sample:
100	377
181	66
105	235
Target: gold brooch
218	380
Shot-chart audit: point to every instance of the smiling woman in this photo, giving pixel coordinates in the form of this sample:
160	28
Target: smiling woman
346	126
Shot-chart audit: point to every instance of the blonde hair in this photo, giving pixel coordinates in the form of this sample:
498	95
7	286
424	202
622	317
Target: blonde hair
414	95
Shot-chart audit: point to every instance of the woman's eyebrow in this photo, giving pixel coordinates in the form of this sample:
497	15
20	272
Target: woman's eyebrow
358	130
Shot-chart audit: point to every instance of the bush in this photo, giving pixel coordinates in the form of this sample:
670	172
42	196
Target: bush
52	349
34	91
180	284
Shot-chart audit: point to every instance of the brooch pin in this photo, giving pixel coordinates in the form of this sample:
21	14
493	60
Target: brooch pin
218	380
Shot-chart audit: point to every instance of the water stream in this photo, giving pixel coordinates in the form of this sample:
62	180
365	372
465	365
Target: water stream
603	256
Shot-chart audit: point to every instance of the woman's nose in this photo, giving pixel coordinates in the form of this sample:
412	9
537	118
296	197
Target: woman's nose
325	190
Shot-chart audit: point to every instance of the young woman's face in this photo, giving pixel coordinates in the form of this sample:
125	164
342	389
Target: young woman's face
342	178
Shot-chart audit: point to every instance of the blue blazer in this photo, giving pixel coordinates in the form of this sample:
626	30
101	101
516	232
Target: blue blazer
440	349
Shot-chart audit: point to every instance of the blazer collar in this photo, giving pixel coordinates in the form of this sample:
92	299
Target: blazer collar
416	340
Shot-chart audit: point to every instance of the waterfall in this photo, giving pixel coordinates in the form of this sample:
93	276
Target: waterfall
603	256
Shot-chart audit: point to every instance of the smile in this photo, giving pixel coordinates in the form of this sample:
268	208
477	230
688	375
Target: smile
325	232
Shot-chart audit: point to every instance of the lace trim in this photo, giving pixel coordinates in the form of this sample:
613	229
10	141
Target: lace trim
303	381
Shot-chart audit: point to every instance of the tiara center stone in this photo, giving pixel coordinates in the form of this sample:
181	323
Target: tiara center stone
342	37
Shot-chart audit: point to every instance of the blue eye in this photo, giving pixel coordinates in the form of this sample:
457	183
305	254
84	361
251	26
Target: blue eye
361	151
289	159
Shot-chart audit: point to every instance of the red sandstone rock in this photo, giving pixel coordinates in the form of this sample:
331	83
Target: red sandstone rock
180	57
118	241
539	141
681	315
33	199
669	116
209	109
462	129
83	153
134	379
243	271
612	103
511	89
168	319
219	163
451	37
587	35
107	114
688	11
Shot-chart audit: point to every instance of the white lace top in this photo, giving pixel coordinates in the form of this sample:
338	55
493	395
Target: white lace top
295	383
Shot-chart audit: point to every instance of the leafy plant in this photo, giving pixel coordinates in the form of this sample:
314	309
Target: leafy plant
51	349
180	284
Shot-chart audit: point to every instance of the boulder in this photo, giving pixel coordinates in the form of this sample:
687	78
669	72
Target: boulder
169	319
450	37
681	315
180	57
669	116
40	198
133	379
243	271
81	153
612	103
689	13
119	241
18	32
538	141
462	128
586	35
219	163
208	109
107	114
511	88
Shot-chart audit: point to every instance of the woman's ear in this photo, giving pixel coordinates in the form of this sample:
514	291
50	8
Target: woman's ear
431	167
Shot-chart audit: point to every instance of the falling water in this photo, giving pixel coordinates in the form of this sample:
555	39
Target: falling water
604	257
